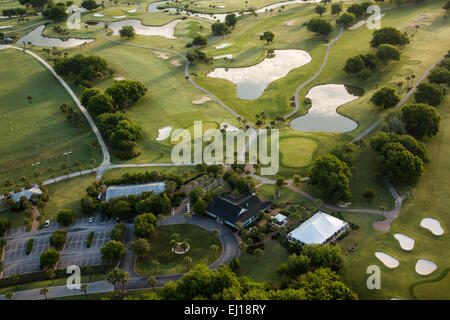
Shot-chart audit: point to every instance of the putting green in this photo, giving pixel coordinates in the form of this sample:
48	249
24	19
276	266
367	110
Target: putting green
297	152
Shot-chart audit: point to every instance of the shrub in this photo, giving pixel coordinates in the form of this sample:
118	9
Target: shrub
385	97
91	237
369	194
29	246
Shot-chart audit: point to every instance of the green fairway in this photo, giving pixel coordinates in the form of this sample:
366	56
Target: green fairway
35	130
433	289
297	152
171	263
264	269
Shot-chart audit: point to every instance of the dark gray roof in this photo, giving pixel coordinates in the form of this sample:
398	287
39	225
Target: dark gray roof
237	209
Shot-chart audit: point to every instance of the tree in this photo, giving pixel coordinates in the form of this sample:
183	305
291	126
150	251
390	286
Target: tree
369	194
15	279
297	179
152	281
354	64
4	225
320	26
429	93
127	32
118	278
118	232
188	261
336	8
216	232
388	35
267	36
187	215
332	176
387	52
49	257
51	274
219	28
155	264
9	295
320	9
84	288
200	206
100	103
200	40
398	164
145	225
231	20
65	217
126	93
421	120
385	97
113	251
346	19
89	4
58	239
446	7
140	246
440	75
258	253
56	13
87	94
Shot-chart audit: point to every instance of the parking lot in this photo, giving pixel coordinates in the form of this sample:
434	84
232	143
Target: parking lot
75	252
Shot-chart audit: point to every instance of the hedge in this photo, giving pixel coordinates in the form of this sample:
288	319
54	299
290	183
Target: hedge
30	246
91	237
42	275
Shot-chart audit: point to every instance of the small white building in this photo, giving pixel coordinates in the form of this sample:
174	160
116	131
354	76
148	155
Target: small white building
279	220
319	229
26	193
134	189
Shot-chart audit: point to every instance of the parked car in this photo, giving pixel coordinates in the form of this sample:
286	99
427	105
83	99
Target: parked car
91	220
117	219
47	223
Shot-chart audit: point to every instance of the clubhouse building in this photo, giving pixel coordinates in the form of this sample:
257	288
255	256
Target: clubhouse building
245	209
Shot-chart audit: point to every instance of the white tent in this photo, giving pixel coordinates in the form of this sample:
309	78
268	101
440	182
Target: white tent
26	193
280	220
318	229
135	189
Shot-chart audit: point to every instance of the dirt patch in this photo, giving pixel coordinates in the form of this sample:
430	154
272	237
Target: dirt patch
201	100
290	23
162	55
175	62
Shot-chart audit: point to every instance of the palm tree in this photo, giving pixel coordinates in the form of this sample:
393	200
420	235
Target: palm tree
259	253
173	244
15	279
238	225
80	168
118	278
383	209
187	215
214	248
187	261
44	292
152	281
84	288
216	232
184	245
155	264
243	246
9	295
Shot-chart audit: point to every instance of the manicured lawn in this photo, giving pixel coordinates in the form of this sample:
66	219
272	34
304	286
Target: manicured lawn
434	289
171	263
264	269
117	173
37	131
297	152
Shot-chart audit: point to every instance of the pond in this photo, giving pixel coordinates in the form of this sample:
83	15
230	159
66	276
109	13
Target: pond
252	81
323	116
37	39
167	30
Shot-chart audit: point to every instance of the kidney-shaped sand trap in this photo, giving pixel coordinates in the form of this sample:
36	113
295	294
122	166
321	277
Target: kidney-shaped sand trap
433	225
388	260
167	30
252	81
425	267
406	242
322	116
164	133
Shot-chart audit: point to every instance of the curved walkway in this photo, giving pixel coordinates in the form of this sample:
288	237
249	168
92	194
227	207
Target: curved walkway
230	250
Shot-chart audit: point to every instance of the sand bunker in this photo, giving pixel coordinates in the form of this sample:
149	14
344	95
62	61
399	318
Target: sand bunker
357	25
162	55
290	23
425	267
252	81
323	116
164	133
167	30
201	100
433	225
406	243
388	260
223	45
228	127
4	27
175	62
98	15
119	79
119	17
131	11
225	56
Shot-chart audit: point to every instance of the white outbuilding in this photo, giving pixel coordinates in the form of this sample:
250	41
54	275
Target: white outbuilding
319	229
279	220
26	193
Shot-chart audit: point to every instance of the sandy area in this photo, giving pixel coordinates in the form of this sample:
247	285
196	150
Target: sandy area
175	62
226	56
119	78
98	15
164	133
290	23
131	11
425	267
357	25
4	27
229	127
162	55
166	31
388	260
119	17
406	243
223	45
201	100
433	225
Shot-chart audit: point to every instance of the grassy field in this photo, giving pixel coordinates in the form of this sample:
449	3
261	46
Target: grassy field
433	289
264	269
37	131
171	263
429	199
